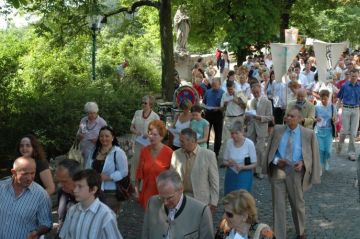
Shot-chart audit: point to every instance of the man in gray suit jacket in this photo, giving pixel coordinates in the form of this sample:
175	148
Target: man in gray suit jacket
257	125
293	166
173	215
197	168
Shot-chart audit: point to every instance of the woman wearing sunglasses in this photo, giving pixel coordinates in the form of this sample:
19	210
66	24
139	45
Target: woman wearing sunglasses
240	218
139	127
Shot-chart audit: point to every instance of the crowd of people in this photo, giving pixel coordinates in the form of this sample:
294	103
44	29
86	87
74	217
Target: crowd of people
262	126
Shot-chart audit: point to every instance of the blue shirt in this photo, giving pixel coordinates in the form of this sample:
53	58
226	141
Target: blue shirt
25	213
213	97
350	94
281	151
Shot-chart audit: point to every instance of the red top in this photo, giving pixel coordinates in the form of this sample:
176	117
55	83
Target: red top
199	90
149	168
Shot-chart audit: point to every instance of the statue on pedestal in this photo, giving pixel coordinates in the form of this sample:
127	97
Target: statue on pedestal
182	28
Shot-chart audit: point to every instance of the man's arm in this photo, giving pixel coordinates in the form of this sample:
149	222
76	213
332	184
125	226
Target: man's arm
315	174
310	119
111	230
206	228
213	175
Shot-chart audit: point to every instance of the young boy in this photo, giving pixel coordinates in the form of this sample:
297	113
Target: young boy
89	218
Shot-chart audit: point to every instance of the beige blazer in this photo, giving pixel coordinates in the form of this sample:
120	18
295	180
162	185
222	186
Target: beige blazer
259	128
310	154
307	112
193	220
204	174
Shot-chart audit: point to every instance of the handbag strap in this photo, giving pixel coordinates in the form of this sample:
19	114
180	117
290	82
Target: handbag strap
115	160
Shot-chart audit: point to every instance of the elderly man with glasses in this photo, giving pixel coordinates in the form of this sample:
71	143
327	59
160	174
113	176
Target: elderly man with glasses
171	214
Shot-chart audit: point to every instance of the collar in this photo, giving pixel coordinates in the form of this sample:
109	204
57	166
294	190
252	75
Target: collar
297	129
195	151
179	207
30	187
93	206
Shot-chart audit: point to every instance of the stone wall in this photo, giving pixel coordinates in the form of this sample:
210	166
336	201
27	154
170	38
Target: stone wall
184	63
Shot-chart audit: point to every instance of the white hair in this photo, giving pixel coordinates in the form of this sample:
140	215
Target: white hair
91	107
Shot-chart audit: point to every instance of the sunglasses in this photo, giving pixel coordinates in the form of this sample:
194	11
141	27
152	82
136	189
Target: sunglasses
144	103
229	214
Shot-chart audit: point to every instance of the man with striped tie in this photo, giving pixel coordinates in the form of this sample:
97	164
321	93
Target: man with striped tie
293	166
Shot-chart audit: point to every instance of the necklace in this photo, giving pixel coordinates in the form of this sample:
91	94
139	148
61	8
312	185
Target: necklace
90	128
145	117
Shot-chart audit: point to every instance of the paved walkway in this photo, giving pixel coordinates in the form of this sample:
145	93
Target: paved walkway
332	208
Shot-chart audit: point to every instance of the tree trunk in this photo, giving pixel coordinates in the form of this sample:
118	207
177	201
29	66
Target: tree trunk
167	50
285	18
241	55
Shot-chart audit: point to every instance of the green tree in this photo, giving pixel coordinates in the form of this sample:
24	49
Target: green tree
241	23
328	20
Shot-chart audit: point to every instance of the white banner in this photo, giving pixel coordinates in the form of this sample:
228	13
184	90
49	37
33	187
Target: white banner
282	57
327	56
291	35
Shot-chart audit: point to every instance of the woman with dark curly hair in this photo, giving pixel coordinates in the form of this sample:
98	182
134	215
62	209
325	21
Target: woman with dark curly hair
110	161
29	146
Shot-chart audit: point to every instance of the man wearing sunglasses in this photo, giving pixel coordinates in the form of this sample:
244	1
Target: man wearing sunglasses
171	214
293	166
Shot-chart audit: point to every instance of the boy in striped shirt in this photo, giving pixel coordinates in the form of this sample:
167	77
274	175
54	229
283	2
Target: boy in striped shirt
89	218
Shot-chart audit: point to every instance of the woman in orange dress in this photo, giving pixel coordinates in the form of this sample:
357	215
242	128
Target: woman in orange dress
154	159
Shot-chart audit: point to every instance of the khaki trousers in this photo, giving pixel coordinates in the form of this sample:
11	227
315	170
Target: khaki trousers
350	124
283	185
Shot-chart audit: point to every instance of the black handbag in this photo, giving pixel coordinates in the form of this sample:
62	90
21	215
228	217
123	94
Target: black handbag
124	188
333	131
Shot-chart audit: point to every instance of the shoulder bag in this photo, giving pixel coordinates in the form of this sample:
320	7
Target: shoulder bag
124	188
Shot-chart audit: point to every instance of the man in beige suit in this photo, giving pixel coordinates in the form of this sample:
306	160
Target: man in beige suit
172	215
197	168
307	109
293	166
257	125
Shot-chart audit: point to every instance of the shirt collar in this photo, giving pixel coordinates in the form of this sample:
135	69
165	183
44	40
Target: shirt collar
195	151
93	206
296	130
180	202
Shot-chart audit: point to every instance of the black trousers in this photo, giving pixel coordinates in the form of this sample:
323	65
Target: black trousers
216	119
279	115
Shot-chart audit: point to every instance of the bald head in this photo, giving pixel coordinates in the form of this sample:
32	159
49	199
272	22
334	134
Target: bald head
23	172
300	95
22	162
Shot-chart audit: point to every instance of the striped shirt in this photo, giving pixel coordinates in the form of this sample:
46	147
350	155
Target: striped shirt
25	213
98	221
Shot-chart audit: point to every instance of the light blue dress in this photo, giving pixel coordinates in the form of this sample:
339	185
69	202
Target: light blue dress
323	131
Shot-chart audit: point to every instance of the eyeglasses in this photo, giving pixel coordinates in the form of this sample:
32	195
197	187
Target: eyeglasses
144	103
165	199
290	116
229	214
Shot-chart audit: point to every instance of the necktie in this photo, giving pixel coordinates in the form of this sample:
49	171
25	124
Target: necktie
255	103
289	152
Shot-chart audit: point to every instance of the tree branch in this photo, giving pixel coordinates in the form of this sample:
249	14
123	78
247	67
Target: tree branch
132	9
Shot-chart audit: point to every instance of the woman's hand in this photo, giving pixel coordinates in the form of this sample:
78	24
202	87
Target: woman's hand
105	177
239	167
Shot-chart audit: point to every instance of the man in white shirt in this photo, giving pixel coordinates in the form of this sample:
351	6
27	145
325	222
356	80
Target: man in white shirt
306	77
231	77
234	103
89	218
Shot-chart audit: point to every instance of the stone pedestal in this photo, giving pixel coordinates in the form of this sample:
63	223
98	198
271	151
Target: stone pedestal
184	63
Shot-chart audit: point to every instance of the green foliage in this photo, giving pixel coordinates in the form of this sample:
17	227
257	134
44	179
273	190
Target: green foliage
44	87
241	23
329	20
